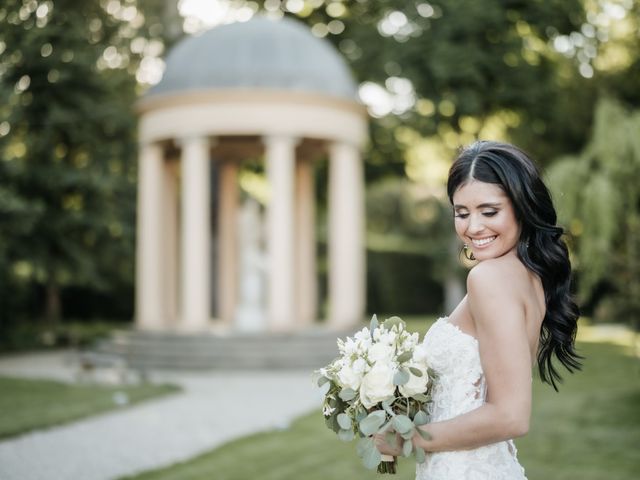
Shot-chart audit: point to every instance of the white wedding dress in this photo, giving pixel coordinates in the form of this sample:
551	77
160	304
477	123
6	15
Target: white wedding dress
461	387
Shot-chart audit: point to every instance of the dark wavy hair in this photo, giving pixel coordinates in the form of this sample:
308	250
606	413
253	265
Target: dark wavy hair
540	246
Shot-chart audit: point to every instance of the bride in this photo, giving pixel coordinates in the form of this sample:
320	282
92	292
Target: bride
518	311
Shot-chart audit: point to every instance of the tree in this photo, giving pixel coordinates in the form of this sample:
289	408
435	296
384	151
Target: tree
599	200
67	145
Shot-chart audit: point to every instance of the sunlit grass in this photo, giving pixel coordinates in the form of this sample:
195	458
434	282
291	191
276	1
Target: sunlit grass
35	404
588	431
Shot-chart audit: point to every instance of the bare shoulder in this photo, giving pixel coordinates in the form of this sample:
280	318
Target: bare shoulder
496	292
502	275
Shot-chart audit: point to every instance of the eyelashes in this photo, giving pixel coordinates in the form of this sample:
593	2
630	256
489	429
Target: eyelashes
465	215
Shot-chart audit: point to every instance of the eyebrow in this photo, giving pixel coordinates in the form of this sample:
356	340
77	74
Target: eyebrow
482	205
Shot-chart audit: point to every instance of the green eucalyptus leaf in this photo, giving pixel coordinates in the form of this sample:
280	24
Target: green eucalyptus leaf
360	414
333	422
391	321
372	457
346	435
409	434
372	422
374	324
344	421
401	377
386	427
402	423
391	439
415	371
322	380
363	445
405	357
421	397
420	456
347	394
420	418
407	448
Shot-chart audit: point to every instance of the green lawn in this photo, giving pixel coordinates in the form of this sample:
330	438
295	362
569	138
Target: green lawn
34	404
588	431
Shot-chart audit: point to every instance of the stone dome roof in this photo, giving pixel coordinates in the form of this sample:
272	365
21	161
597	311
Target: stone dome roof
260	54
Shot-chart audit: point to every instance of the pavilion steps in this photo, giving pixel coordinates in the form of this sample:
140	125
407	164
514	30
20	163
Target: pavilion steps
140	350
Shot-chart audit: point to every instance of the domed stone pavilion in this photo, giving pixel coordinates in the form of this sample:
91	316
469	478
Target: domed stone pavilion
259	89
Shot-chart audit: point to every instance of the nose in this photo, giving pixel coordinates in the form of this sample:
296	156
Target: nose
476	225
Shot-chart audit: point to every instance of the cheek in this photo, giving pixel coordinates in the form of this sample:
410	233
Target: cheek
508	226
460	226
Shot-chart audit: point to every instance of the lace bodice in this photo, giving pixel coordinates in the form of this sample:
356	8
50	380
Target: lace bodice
460	388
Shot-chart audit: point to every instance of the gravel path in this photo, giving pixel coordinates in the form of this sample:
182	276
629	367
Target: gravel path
213	409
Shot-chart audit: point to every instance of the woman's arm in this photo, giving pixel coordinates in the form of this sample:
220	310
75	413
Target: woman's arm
497	308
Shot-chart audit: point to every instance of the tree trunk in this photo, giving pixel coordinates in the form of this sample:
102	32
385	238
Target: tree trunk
53	307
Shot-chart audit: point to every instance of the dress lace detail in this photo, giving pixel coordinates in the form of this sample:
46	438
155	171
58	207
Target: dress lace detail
461	387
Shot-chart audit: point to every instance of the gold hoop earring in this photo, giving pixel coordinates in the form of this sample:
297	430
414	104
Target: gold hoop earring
467	255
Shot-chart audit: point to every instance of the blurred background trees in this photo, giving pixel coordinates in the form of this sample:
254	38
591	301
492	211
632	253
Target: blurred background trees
560	78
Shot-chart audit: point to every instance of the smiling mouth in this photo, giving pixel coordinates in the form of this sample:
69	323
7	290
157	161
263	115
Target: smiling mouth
481	242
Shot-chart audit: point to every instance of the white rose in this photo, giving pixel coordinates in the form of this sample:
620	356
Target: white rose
377	385
359	365
415	384
381	352
349	377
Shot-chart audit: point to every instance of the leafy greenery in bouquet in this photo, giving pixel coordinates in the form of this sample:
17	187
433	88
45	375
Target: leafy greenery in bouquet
379	385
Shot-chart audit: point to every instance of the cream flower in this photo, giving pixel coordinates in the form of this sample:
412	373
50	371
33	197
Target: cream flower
377	385
415	384
349	377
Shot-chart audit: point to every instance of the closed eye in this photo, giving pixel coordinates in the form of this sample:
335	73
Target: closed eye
489	214
461	215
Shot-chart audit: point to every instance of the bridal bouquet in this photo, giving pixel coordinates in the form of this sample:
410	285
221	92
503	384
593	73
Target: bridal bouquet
380	384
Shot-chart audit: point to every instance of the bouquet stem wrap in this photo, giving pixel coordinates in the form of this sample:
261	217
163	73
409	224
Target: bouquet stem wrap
388	464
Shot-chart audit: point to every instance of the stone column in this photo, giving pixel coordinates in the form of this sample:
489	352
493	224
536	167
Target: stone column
228	242
149	287
280	160
170	272
196	232
306	283
346	236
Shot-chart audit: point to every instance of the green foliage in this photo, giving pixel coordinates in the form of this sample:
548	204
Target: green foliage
599	199
38	404
372	422
66	160
409	236
401	377
402	282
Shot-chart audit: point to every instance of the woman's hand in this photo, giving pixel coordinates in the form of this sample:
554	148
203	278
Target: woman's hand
393	448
